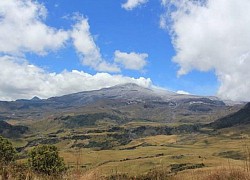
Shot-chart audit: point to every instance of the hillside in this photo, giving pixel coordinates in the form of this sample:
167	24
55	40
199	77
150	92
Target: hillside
242	117
10	131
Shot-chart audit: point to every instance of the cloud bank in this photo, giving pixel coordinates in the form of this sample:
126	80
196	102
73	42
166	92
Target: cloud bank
212	35
19	79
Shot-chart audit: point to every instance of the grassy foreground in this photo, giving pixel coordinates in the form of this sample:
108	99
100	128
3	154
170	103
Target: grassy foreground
205	154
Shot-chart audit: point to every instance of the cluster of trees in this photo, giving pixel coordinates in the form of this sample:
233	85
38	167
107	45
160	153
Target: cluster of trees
43	159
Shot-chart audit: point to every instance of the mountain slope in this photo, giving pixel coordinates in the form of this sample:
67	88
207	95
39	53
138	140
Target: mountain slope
242	117
8	130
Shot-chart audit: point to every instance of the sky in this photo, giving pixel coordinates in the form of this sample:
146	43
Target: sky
54	47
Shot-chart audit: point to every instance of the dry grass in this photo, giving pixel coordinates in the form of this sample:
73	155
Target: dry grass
226	174
141	162
221	173
160	139
83	175
191	148
158	173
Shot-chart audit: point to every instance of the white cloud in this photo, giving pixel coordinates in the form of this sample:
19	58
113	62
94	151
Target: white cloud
213	35
164	2
19	79
23	29
88	50
182	92
134	61
131	4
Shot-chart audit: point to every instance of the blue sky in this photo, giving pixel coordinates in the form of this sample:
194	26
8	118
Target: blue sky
115	28
121	41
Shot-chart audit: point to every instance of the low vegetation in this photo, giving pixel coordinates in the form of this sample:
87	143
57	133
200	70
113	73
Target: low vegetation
7	152
45	159
139	157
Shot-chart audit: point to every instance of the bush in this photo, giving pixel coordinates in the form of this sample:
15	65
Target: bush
7	151
45	159
182	167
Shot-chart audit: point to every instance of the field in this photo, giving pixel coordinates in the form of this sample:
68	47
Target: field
163	151
175	154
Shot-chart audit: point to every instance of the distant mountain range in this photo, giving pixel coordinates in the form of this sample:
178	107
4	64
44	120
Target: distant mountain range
127	101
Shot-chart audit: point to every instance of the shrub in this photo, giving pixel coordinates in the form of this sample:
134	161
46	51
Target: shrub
182	167
45	159
7	151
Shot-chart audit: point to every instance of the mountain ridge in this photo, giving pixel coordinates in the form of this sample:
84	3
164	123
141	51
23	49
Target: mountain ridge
126	86
131	100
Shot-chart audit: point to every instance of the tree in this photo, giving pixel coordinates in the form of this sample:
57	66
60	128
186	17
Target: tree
45	159
7	151
7	155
